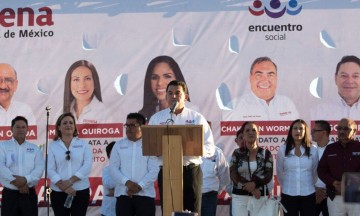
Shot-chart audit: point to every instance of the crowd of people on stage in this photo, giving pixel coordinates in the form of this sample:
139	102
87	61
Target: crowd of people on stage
310	175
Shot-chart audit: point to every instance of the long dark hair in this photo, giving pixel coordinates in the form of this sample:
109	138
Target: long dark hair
68	96
290	143
150	100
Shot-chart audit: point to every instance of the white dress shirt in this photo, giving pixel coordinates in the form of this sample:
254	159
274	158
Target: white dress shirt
187	117
251	108
336	109
79	165
297	175
216	173
16	108
23	160
108	204
128	163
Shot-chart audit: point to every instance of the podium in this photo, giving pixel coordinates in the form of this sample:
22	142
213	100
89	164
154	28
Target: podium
172	142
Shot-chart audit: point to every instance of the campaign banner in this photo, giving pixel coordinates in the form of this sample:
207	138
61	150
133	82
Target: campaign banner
93	59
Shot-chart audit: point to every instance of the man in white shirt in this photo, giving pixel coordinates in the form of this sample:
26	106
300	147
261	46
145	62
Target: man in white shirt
133	173
179	114
262	103
21	165
320	134
216	176
9	108
346	103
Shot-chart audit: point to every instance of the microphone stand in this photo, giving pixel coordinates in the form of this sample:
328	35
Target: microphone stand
47	190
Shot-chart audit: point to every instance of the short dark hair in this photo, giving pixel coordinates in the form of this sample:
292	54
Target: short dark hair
139	118
346	59
178	83
324	125
19	118
58	122
109	147
262	59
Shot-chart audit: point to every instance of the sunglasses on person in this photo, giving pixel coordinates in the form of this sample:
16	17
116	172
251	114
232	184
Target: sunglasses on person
67	157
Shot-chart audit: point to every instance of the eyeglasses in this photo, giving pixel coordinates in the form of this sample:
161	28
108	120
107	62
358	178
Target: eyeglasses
7	81
346	129
67	157
131	126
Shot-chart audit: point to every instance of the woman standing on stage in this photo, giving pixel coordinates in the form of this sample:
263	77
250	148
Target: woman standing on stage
251	169
70	162
296	168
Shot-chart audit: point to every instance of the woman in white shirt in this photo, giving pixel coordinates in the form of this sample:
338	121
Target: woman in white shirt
296	165
69	165
251	169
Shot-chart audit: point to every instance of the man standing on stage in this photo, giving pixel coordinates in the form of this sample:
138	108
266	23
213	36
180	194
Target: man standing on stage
21	165
338	158
320	134
133	173
181	115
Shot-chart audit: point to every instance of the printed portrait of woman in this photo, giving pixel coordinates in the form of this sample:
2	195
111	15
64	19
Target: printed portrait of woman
82	94
160	71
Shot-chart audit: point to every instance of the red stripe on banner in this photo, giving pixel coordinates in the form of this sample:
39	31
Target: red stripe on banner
5	133
113	130
333	125
229	128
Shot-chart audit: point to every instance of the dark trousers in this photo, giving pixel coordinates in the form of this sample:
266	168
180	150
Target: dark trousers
322	207
135	205
78	207
16	204
305	205
192	184
209	203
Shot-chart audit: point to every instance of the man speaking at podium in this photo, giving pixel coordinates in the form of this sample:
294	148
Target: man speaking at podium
178	114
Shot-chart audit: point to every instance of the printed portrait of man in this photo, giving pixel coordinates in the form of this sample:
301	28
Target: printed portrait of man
263	103
345	104
10	108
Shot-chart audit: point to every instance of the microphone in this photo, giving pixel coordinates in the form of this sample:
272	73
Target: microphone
48	108
172	109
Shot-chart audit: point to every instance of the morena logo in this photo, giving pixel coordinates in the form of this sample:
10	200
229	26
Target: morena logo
275	9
